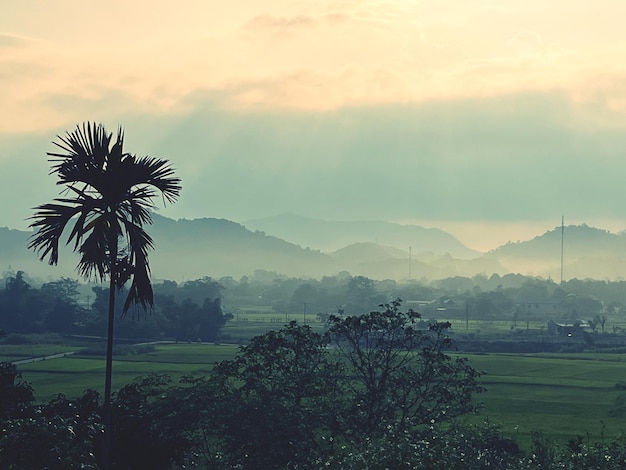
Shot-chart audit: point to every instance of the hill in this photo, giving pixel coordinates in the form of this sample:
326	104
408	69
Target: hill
384	262
330	236
191	249
15	256
588	252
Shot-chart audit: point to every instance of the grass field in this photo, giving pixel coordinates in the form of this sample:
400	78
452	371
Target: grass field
560	395
253	321
13	353
72	375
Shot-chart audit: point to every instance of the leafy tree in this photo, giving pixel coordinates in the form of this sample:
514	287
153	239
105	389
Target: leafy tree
287	398
57	436
199	290
402	374
277	399
16	396
61	317
304	297
212	319
490	305
147	431
360	292
64	309
107	199
64	288
578	306
21	306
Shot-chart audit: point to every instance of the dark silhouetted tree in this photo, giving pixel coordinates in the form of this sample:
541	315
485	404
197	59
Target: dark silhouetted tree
277	398
16	396
402	373
107	198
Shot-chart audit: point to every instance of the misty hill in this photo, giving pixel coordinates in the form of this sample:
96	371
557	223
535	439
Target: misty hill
370	251
14	256
384	262
191	249
588	253
330	236
185	249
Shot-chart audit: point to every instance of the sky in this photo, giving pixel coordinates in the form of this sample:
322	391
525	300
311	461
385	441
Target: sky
488	119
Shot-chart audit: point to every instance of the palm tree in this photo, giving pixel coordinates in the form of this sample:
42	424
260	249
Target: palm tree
107	198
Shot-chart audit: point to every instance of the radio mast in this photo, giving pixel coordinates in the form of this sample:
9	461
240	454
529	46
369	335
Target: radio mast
562	237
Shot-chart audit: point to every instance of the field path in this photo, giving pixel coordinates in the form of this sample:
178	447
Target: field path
69	353
43	358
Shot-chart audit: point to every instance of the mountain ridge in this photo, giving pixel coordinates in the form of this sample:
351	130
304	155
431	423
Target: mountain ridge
191	249
330	236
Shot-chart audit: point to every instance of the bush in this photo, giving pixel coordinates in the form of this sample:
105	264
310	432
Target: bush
434	447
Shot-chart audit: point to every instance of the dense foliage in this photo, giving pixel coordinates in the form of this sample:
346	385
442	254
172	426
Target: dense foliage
289	397
188	312
191	310
401	374
373	391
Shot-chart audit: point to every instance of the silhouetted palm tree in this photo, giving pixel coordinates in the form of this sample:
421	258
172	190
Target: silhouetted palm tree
107	198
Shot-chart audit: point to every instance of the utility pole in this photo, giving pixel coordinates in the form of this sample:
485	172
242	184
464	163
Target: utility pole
410	248
562	239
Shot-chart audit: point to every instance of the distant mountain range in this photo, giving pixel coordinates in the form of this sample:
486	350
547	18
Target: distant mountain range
333	235
588	252
190	249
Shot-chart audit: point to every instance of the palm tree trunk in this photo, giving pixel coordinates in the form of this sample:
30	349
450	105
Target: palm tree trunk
106	408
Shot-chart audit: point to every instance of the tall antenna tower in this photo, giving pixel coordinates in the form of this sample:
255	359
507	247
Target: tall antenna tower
562	238
410	248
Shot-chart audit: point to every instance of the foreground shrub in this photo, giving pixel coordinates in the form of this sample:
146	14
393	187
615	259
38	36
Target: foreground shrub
434	447
58	435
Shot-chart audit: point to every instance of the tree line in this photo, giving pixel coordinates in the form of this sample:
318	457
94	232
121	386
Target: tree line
197	309
190	311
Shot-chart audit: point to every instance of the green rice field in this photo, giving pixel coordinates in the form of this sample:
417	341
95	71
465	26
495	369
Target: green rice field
560	395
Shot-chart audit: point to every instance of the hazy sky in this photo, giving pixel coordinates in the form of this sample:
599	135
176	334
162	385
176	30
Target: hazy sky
488	118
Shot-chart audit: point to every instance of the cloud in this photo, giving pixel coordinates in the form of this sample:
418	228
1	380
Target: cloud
515	158
13	41
498	159
279	24
304	55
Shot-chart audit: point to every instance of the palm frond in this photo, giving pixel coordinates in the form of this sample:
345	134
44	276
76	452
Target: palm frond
160	174
94	258
50	222
84	147
139	243
140	291
112	193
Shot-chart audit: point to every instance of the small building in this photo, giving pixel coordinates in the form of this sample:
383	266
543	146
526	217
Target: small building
567	329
